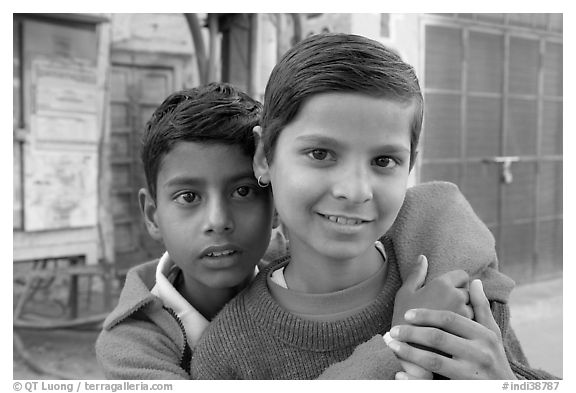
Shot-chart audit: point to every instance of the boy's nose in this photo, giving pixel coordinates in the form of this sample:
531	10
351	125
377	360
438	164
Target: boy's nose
353	183
218	217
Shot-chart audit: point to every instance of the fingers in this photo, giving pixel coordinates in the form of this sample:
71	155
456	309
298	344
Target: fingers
462	303
402	375
428	360
429	339
416	278
411	369
464	295
415	371
481	306
456	278
480	356
446	320
467	312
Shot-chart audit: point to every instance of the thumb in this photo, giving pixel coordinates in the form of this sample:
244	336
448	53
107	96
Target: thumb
481	306
416	278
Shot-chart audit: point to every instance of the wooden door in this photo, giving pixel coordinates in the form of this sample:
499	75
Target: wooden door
493	125
135	93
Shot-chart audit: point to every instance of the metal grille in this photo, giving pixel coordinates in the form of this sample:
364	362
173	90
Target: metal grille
493	125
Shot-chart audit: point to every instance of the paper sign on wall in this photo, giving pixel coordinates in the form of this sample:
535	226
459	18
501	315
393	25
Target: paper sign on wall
65	104
61	190
49	127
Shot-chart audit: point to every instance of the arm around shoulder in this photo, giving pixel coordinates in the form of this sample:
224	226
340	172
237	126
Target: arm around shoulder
137	349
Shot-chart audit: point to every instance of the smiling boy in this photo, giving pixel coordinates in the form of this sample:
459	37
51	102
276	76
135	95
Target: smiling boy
340	127
343	164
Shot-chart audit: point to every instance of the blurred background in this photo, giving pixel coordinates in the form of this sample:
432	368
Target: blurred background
85	85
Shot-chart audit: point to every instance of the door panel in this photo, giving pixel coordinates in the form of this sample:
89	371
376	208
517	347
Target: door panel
549	246
136	92
484	64
550	201
482	188
524	66
484	122
553	69
551	139
443	119
522	127
443	58
515	250
519	196
493	125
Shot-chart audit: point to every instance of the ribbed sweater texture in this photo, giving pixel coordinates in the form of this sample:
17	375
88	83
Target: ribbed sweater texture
254	338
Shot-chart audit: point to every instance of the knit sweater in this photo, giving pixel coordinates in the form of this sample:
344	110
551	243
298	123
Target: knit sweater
143	339
254	338
436	220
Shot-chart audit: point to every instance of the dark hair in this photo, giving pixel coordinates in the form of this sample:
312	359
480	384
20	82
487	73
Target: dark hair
217	113
337	63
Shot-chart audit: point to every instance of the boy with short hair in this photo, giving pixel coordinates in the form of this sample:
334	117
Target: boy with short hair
341	124
203	202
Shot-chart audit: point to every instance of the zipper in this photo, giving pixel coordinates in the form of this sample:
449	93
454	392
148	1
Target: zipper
186	356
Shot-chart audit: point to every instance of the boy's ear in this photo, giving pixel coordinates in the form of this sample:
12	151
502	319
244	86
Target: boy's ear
413	161
260	163
148	210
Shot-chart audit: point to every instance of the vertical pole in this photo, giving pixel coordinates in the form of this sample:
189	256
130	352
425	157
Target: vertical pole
253	49
539	132
505	260
196	31
213	48
73	288
279	36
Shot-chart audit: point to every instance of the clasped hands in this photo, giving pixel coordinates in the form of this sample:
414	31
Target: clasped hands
446	327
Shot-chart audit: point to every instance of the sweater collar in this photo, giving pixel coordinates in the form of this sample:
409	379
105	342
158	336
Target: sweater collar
331	306
135	294
322	335
194	323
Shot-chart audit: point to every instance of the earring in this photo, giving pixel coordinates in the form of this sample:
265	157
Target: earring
261	184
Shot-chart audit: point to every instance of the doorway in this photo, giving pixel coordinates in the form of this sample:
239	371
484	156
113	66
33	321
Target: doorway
136	91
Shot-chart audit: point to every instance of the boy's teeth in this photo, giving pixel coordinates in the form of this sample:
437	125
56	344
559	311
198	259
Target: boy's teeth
220	253
344	220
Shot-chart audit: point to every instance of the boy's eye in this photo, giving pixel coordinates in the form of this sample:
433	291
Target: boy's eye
243	191
318	154
385	162
186	198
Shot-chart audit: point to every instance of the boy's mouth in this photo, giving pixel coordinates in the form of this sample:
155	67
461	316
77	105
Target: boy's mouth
220	251
342	220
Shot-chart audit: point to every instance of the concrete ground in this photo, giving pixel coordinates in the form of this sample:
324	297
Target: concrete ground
536	318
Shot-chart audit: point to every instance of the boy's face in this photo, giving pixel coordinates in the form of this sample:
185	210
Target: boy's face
212	217
340	172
